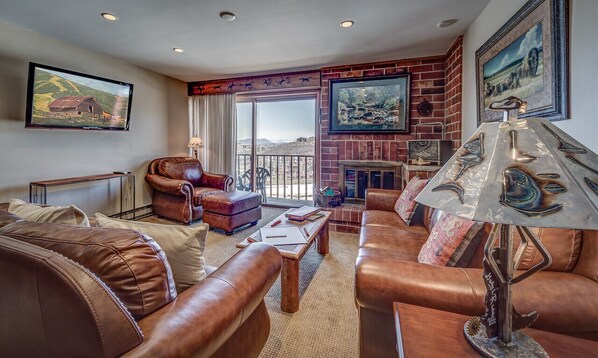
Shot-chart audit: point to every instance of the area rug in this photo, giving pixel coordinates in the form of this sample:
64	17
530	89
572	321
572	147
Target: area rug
326	324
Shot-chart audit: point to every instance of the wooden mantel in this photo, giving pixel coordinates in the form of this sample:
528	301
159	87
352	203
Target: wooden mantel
371	163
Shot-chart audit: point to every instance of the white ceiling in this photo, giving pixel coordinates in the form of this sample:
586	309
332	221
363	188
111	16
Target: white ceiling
267	36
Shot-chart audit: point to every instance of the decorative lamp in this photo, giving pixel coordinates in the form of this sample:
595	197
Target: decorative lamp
518	172
195	143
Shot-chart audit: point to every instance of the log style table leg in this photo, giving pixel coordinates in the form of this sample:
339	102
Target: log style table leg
322	240
289	282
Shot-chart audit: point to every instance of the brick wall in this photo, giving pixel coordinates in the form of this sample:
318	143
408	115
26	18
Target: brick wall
453	92
428	79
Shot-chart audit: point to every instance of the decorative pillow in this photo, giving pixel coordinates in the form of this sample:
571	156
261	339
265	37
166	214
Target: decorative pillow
49	214
452	242
132	265
184	246
406	204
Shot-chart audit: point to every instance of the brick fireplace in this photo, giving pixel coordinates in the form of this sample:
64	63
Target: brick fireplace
436	79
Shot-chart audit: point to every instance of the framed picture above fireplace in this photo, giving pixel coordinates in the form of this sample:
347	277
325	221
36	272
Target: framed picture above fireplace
370	105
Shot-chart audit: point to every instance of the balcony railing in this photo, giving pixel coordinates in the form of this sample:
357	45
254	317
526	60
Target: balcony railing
291	176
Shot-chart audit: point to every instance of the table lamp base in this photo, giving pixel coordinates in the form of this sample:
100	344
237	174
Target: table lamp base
521	345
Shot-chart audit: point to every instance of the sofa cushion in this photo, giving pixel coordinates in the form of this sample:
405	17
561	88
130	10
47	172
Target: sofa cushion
389	219
564	246
406	205
393	239
57	214
184	246
452	242
132	265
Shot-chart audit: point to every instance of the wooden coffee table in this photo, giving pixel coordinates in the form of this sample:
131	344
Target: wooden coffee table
292	255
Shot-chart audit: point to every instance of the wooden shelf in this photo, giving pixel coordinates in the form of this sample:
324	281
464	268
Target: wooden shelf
38	190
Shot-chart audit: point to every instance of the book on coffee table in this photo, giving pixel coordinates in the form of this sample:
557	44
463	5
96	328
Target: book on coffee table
282	236
301	213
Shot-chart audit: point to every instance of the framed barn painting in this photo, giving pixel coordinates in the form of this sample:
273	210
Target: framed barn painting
527	58
370	104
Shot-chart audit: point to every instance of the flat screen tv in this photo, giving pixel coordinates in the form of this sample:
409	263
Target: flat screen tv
63	99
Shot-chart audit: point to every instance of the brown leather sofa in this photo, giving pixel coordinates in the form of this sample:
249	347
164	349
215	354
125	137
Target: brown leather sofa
387	271
180	184
52	306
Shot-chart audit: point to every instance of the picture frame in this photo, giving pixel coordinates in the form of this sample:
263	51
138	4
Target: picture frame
370	104
527	58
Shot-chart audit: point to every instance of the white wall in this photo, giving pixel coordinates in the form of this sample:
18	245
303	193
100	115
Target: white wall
158	125
583	37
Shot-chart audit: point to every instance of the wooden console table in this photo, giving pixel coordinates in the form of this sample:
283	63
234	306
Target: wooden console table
426	332
38	190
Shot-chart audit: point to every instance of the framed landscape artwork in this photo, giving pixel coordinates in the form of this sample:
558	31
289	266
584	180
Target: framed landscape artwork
527	58
370	105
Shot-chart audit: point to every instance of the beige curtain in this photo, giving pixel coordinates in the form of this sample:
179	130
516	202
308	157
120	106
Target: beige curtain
213	118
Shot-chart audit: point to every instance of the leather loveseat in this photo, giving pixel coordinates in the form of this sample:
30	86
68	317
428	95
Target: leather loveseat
179	184
52	306
387	270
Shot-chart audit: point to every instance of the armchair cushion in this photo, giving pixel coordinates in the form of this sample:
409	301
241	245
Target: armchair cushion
201	192
184	168
132	265
184	246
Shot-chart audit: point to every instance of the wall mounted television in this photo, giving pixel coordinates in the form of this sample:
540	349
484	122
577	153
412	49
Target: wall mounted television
63	99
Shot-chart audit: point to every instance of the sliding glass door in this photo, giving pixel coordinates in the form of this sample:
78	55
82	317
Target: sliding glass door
276	144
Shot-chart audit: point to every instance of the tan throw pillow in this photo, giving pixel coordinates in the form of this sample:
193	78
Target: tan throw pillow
184	246
452	242
48	214
406	205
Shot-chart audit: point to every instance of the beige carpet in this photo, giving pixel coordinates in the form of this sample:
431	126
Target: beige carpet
326	324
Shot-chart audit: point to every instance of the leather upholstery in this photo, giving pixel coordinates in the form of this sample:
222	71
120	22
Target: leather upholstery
232	203
131	264
205	317
180	184
231	210
7	218
387	271
54	307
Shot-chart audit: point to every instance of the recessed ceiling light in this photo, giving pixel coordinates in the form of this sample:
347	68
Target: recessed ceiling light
347	23
109	16
228	16
178	49
446	23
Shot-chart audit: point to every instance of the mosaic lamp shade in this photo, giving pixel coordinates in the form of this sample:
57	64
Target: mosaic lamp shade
514	174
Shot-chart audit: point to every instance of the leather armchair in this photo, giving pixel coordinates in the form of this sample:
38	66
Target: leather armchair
387	271
54	307
180	184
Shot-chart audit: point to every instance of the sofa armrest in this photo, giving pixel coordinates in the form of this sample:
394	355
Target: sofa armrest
381	280
204	316
170	186
381	199
221	181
